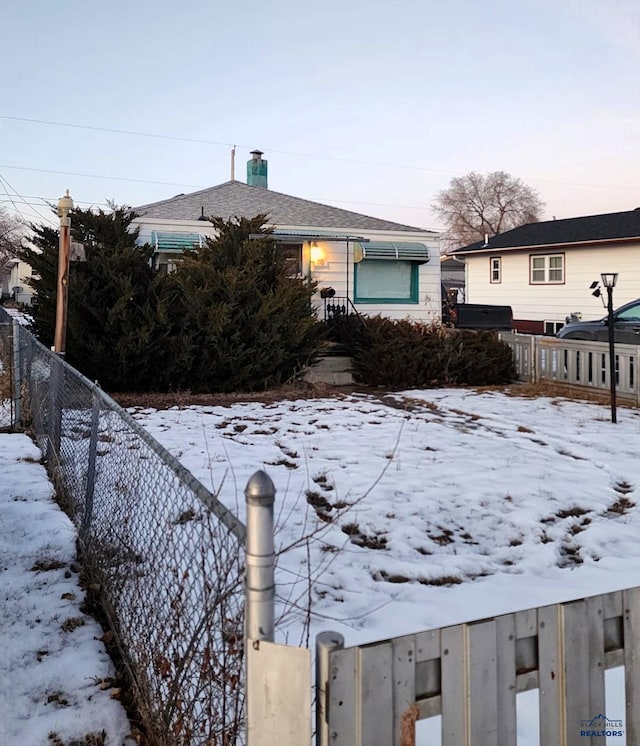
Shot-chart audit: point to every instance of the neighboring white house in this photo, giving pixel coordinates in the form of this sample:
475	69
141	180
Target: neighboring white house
14	285
453	276
544	270
374	266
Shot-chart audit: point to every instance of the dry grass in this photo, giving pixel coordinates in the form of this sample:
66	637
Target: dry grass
183	399
305	390
558	391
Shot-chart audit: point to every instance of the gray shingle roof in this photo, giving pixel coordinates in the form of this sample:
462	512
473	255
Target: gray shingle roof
590	228
235	199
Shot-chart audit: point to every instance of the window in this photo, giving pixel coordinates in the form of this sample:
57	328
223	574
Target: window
551	328
496	269
176	242
292	254
547	269
384	281
630	314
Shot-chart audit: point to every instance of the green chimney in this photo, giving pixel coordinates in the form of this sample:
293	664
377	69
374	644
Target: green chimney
257	170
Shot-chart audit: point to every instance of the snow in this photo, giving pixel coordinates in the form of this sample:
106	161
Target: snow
53	667
17	314
401	513
494	492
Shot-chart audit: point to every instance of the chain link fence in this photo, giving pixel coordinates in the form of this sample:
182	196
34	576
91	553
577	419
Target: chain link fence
166	558
7	388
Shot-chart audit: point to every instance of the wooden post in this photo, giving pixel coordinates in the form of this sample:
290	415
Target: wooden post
65	204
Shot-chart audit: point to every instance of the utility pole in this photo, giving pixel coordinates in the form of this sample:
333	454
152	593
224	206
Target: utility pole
65	205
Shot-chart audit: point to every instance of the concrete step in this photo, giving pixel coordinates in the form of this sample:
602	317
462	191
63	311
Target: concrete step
335	349
336	371
337	363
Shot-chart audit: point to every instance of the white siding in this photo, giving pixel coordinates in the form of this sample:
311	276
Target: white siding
20	273
338	270
555	302
338	273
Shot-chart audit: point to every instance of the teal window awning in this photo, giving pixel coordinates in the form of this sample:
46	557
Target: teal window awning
176	242
408	251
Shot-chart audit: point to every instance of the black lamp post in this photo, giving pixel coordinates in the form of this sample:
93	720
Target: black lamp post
609	280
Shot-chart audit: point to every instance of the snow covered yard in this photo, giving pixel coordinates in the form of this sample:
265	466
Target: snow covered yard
395	514
428	507
55	674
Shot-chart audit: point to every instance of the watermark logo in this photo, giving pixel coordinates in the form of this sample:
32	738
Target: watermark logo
601	725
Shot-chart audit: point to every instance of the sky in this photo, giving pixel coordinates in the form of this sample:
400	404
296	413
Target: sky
372	108
518	502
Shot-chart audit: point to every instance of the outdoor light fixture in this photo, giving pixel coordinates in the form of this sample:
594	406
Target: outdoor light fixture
317	254
609	280
595	286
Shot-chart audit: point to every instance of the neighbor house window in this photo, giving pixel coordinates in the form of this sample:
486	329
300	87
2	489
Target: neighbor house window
496	269
383	281
292	254
551	328
547	269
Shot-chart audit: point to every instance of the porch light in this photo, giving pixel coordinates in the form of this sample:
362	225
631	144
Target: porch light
317	254
609	279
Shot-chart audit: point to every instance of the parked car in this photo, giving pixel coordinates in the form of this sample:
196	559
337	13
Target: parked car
626	325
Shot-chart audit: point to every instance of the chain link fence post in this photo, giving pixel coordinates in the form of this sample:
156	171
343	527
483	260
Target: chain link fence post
55	410
260	495
17	375
91	466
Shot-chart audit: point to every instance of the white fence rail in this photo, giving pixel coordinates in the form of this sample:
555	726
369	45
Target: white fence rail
471	673
575	362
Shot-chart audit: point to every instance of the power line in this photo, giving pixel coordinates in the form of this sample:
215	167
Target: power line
316	156
97	176
23	201
50	201
195	186
15	207
119	132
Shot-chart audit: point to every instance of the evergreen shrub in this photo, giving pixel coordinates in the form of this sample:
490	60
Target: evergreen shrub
111	314
239	321
230	318
411	354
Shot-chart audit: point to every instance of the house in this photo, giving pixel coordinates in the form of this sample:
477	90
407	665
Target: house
14	281
453	279
361	263
544	270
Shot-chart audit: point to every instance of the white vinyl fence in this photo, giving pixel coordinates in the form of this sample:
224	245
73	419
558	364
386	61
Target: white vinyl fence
575	362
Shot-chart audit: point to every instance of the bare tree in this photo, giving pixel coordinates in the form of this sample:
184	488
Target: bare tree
11	231
475	205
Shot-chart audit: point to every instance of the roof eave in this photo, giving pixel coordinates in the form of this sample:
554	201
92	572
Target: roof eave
536	247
